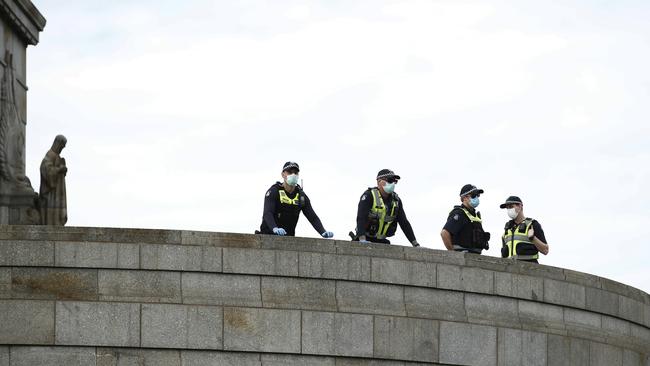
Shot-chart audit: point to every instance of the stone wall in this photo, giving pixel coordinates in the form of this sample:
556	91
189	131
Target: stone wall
97	296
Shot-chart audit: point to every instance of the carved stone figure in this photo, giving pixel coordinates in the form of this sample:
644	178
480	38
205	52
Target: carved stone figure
12	134
52	192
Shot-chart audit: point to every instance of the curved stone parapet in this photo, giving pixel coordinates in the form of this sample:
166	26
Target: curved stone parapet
99	296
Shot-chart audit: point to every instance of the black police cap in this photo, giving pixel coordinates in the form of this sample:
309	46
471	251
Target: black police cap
511	200
290	165
469	189
387	174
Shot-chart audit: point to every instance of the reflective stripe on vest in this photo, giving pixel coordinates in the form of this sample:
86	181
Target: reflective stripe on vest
285	199
471	217
512	238
378	212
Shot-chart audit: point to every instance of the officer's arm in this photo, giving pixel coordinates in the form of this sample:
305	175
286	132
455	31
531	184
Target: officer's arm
311	215
405	224
452	227
446	239
363	210
270	207
538	238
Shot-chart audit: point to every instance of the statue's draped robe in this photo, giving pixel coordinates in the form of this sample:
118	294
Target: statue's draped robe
52	193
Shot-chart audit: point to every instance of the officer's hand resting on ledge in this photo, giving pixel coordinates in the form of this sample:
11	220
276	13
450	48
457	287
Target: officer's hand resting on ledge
279	231
362	239
415	243
327	234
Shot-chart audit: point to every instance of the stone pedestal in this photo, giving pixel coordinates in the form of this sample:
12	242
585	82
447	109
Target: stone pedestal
20	24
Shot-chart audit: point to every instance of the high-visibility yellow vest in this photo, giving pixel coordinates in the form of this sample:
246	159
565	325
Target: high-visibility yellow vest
379	213
517	238
285	199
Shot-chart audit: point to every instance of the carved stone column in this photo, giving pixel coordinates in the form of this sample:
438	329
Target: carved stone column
20	24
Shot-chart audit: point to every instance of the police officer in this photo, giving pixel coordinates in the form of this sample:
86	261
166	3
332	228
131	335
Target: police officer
523	238
380	210
463	231
283	203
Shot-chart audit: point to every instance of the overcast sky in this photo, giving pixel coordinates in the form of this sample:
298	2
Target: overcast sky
180	114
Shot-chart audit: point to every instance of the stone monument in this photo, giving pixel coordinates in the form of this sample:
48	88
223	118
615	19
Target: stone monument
20	25
52	198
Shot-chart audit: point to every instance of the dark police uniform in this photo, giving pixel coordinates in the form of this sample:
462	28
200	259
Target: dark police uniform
466	229
282	209
370	224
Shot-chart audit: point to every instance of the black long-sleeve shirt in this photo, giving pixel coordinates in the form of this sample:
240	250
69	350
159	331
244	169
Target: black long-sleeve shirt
272	217
365	206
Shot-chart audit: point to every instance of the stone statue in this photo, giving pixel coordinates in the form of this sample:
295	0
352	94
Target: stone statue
52	193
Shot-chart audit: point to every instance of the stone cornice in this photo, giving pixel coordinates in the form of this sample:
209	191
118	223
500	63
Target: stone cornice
25	18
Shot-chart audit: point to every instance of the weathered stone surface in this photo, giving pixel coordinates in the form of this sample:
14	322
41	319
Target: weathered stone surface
211	358
615	325
403	272
582	318
622	289
181	257
340	267
566	351
337	334
261	330
220	239
434	256
221	289
259	261
26	253
406	339
601	301
605	355
369	362
465	279
640	332
292	360
301	244
141	286
521	348
137	357
370	250
434	304
468	344
581	278
370	298
520	286
550	315
564	293
68	356
299	293
26	322
181	326
97	255
486	309
98	324
4	356
54	283
631	309
5	283
631	358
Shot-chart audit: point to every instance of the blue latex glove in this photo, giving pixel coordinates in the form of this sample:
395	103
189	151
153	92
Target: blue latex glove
279	231
327	234
364	241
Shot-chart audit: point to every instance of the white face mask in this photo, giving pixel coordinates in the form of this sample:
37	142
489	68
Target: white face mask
292	179
389	187
512	213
